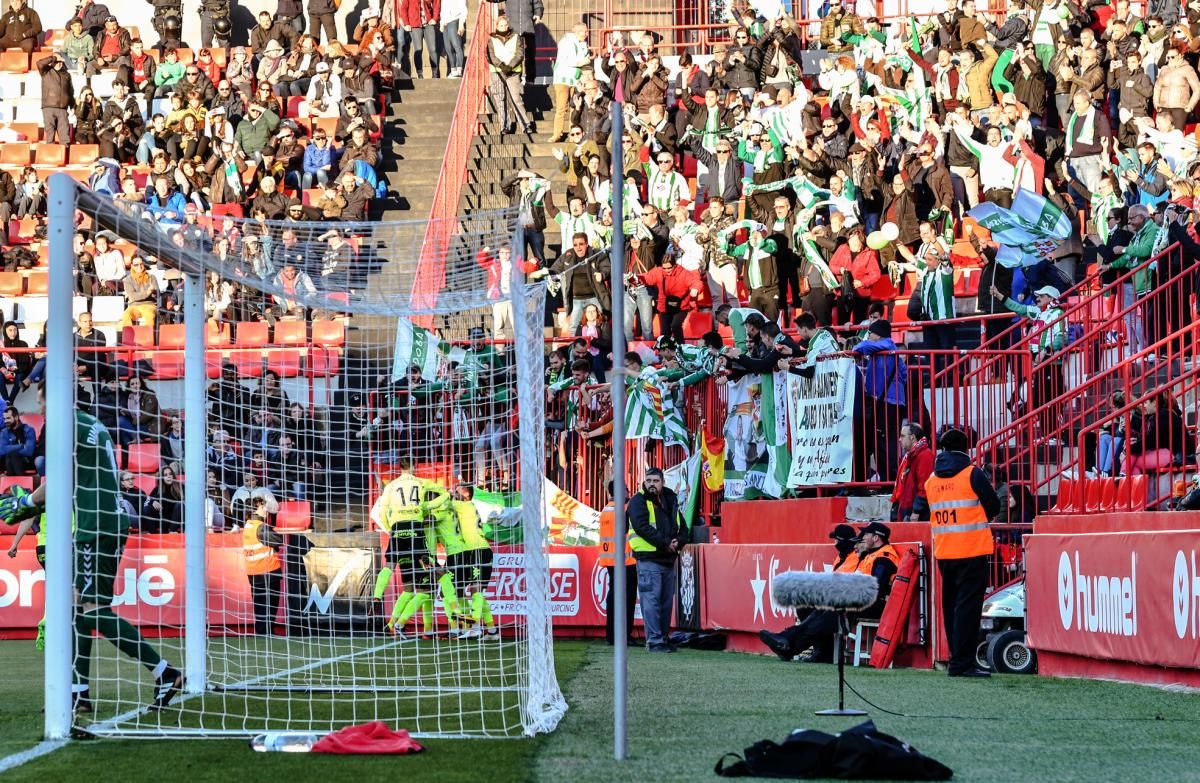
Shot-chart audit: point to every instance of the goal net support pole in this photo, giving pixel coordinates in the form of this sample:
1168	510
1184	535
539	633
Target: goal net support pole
195	630
60	448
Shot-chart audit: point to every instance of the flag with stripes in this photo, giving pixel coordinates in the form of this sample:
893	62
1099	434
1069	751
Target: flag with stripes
911	105
1028	232
651	411
415	345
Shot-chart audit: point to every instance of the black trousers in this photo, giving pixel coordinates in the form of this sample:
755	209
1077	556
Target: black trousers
610	606
265	590
964	582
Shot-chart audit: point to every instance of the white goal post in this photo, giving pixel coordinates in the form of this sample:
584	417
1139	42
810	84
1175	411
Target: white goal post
269	419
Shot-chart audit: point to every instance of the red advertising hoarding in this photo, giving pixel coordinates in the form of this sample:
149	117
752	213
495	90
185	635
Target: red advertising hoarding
149	589
1131	596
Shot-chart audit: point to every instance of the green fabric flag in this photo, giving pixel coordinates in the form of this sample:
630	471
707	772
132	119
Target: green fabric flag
684	480
415	345
500	516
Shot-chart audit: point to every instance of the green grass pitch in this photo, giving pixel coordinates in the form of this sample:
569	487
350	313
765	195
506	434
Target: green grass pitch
685	711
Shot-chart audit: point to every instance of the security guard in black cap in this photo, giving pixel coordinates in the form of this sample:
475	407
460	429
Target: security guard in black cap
875	556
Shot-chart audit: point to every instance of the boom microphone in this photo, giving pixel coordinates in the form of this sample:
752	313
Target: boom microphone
813	590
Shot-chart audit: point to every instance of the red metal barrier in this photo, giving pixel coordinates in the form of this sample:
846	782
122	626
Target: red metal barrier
431	269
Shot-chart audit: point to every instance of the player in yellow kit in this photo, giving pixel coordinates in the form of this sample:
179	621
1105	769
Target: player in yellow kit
404	511
472	567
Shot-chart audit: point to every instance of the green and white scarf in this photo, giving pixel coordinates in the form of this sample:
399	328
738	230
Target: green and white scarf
1087	135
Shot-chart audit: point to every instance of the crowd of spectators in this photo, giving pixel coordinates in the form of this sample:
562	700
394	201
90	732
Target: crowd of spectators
830	172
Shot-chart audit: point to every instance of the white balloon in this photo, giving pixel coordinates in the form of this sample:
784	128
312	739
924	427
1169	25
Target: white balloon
890	231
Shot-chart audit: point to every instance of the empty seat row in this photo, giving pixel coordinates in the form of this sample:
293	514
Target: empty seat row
1092	495
246	334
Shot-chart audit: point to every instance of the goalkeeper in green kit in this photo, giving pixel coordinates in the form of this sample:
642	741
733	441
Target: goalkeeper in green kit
101	528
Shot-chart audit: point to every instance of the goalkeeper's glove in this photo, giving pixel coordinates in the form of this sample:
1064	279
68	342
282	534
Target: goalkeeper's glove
12	505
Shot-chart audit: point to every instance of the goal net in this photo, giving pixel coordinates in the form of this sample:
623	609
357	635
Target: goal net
363	512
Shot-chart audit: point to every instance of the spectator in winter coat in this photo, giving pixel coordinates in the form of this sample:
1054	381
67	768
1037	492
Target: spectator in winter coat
909	502
141	294
318	160
166	203
678	289
885	380
58	95
17	443
255	131
857	268
78	48
112	45
20	28
169	73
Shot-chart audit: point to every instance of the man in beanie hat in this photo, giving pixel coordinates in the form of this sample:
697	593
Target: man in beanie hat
885	381
871	554
961	503
657	538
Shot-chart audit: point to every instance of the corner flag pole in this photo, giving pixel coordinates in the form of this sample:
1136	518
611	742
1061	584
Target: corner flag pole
619	587
60	462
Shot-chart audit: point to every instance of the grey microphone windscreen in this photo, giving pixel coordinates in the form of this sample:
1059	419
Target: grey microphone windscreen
814	590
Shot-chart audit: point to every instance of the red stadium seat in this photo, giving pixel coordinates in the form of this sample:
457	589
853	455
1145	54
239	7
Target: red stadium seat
168	365
1108	494
294	516
328	333
172	335
216	334
249	362
293	106
14	61
83	154
697	324
37	284
1092	489
1137	492
50	155
212	364
139	336
32	131
291	332
184	55
15	153
12	284
1065	502
327	124
285	362
142	457
323	362
145	482
35	420
251	334
8	482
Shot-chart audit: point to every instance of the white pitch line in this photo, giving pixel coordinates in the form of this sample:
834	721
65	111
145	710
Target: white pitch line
37	751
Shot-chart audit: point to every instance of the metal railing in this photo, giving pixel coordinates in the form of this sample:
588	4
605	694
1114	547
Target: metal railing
439	234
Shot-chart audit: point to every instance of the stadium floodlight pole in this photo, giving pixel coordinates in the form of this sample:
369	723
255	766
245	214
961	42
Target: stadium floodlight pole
619	586
60	450
195	491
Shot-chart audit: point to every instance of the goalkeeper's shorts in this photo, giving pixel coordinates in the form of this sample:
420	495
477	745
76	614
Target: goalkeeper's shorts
96	563
470	567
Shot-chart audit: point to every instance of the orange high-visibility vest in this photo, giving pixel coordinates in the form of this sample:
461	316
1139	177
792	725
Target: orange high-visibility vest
605	545
960	525
867	562
260	559
850	564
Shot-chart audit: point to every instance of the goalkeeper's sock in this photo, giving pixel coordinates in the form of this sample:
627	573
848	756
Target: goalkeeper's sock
481	610
400	605
381	582
449	599
40	641
83	653
121	633
426	613
406	613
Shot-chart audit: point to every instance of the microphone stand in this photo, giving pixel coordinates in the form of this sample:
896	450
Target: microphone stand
839	642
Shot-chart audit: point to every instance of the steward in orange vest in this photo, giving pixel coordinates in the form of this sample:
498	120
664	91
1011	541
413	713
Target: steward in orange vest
605	547
260	545
962	501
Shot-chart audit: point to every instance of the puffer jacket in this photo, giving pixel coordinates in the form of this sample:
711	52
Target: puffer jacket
1176	87
831	31
57	92
979	80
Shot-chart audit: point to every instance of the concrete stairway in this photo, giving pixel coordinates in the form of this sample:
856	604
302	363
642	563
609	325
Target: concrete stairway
414	143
